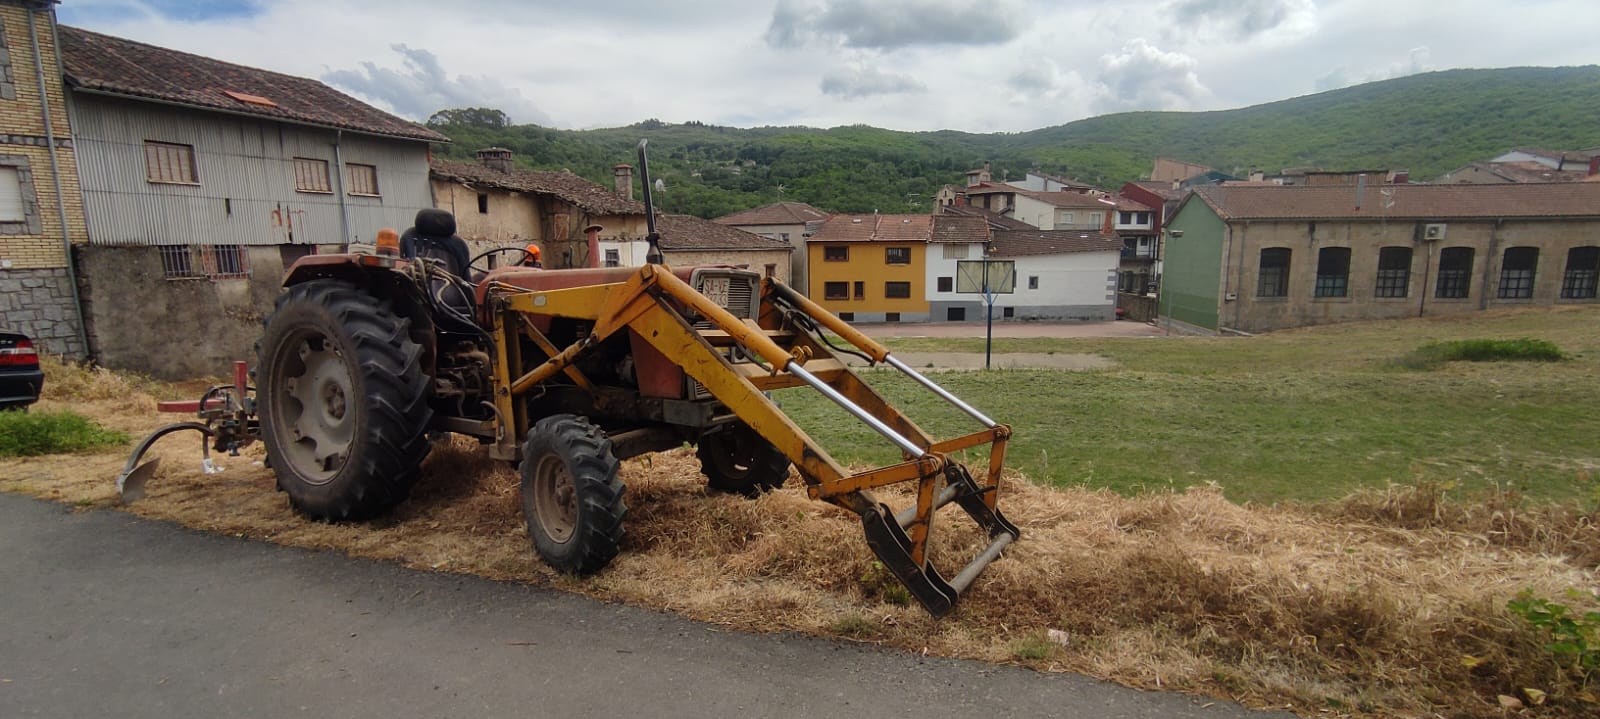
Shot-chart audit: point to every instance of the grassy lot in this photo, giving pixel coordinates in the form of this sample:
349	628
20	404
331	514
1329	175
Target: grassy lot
1305	415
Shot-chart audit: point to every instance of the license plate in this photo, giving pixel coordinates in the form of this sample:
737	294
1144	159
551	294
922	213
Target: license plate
716	289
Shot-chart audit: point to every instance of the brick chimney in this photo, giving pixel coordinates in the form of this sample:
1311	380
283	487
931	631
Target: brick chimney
985	176
623	174
1594	166
495	158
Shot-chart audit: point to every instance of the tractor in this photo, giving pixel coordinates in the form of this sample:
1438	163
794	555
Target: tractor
368	357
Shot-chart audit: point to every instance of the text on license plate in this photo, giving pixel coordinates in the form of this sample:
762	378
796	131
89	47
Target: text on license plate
716	289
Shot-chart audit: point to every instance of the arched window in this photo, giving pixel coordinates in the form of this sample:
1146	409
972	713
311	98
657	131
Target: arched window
1583	266
1517	269
1333	272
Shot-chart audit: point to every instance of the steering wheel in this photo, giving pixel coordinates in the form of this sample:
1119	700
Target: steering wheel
473	264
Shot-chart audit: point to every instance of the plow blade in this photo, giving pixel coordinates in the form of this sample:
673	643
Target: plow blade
130	483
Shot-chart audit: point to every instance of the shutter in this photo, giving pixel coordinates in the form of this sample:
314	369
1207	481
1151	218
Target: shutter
11	209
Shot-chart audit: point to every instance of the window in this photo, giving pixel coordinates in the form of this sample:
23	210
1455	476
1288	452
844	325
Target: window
897	290
1516	272
216	262
311	175
836	290
785	236
1141	218
847	316
1033	282
483	204
169	162
891	317
955	314
363	179
1124	217
613	258
1272	280
1008	312
771	270
12	208
897	255
1095	218
947	284
861	290
1064	219
1333	272
835	253
1583	265
1394	272
1455	273
956	251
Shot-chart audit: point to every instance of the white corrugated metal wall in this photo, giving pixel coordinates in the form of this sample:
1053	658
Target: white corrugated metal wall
246	184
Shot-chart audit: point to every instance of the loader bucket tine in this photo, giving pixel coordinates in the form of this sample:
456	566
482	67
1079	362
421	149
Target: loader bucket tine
890	543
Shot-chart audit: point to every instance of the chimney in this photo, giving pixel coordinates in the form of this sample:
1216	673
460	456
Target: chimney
495	158
624	176
961	198
985	176
1594	166
591	236
1361	189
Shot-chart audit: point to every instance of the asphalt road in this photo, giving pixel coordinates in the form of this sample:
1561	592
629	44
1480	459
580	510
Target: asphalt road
106	614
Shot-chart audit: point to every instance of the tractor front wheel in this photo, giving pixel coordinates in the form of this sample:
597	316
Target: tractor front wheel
571	496
343	401
737	460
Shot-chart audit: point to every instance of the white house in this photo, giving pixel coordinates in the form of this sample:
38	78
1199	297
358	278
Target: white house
1060	274
954	238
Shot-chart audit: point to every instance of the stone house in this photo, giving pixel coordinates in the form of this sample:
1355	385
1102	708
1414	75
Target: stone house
787	221
1254	259
498	204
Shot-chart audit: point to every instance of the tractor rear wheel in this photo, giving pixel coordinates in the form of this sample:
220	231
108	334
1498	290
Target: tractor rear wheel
737	460
343	401
571	496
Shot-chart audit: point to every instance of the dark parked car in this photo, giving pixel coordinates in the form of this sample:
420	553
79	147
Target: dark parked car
20	376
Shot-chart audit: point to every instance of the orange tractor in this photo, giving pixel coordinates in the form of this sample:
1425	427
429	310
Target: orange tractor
568	372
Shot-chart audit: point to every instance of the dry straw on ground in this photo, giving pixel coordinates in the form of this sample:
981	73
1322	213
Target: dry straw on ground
1384	604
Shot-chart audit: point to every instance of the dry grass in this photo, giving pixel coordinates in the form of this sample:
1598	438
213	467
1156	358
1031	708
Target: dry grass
1375	605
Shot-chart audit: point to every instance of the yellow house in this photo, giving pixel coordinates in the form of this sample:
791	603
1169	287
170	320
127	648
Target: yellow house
871	268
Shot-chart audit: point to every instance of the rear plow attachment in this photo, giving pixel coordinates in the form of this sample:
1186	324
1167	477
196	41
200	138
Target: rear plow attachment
226	422
738	361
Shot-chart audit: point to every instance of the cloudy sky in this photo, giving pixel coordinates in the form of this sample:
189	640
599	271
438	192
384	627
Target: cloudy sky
974	65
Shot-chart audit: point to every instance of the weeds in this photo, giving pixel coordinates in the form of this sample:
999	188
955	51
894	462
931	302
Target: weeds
1574	637
1523	349
29	434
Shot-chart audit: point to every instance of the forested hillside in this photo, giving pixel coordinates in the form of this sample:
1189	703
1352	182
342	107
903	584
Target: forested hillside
1429	124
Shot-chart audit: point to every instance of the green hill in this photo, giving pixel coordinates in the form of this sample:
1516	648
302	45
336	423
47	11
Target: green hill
1429	123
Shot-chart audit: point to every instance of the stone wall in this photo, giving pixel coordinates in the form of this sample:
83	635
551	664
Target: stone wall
173	329
38	302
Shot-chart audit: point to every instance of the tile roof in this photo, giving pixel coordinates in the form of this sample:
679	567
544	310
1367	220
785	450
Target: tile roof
1531	171
996	220
687	232
875	228
103	63
1164	190
1413	202
589	196
1068	199
959	228
777	213
1026	243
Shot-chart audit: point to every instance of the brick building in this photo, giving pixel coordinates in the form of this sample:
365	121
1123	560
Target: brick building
41	207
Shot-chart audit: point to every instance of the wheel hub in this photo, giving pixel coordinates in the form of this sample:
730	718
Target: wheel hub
555	499
317	389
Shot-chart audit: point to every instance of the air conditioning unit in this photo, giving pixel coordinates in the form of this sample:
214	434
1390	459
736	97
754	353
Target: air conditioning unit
1433	232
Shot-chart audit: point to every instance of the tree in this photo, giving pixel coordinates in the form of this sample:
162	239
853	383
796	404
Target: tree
485	117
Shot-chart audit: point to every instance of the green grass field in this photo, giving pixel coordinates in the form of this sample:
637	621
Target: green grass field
1305	415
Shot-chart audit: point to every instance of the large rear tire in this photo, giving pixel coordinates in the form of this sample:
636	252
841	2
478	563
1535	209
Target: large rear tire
737	460
343	401
572	499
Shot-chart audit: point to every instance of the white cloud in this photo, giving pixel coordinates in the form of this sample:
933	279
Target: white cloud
1142	76
995	65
